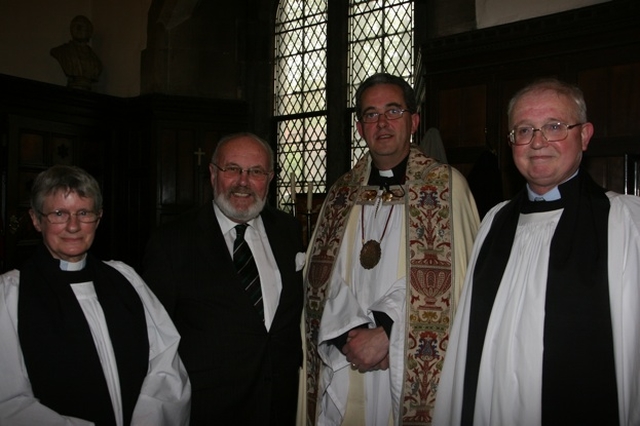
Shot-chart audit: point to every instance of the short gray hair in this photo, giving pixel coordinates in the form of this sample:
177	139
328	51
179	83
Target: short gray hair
68	179
560	87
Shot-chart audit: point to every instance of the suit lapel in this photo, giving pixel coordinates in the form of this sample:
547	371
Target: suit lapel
213	247
283	253
276	242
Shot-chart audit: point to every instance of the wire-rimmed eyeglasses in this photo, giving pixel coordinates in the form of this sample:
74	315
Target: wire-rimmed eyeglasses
390	114
58	217
255	173
552	132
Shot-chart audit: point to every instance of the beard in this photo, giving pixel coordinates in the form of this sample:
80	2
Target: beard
241	215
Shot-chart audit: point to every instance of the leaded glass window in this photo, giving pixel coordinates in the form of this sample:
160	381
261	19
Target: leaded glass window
300	99
380	40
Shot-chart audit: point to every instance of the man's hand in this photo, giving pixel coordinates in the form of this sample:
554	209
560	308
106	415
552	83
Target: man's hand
382	365
367	349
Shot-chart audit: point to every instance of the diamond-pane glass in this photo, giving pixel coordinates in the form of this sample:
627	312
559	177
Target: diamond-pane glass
301	152
358	145
316	37
380	40
300	84
367	57
364	6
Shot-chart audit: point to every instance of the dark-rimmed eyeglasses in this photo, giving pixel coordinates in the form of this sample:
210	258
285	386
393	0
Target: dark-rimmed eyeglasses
551	132
254	173
58	217
390	114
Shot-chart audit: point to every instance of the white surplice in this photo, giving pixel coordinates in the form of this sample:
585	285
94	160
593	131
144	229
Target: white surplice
510	378
355	292
165	394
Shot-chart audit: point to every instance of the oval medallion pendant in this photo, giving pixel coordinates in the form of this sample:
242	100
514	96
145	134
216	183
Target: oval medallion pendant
370	254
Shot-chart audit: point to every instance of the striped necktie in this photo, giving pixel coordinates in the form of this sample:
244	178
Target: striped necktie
247	269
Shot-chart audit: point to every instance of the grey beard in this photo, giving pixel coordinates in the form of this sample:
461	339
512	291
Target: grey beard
239	215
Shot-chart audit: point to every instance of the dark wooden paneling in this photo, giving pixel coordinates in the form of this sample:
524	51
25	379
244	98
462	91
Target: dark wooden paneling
612	95
465	126
181	128
141	151
464	83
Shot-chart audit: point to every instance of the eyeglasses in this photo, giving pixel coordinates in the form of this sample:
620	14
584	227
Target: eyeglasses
552	132
390	114
58	217
254	173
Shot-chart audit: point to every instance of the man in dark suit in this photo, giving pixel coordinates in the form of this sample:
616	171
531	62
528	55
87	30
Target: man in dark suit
241	347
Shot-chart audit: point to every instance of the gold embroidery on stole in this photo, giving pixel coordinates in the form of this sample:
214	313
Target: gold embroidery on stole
429	239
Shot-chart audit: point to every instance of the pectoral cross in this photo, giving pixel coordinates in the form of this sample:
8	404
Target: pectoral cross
199	153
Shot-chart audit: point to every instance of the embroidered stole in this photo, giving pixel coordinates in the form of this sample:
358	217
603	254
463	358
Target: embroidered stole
428	219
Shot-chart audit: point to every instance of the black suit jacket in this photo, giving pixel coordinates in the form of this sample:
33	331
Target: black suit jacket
240	373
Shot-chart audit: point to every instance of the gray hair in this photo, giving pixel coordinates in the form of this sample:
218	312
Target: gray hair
226	139
68	179
385	78
561	88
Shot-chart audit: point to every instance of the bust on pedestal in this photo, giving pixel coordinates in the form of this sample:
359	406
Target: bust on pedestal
78	61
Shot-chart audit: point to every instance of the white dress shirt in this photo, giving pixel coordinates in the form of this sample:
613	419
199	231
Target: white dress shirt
256	238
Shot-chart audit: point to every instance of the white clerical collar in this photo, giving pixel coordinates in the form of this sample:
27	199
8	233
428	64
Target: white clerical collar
386	173
73	266
552	195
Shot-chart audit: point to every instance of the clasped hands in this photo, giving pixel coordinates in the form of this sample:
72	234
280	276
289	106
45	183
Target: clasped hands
367	349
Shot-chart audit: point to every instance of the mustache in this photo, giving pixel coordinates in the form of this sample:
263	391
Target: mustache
241	190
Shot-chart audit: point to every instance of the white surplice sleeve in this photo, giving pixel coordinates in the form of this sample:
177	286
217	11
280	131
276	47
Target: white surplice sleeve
466	223
18	406
165	397
624	295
